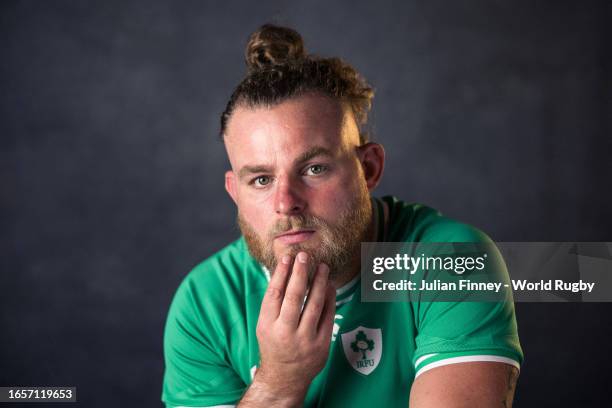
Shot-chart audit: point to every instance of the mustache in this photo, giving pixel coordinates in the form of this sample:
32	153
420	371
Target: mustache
294	222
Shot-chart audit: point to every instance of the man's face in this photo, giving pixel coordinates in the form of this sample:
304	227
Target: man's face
298	181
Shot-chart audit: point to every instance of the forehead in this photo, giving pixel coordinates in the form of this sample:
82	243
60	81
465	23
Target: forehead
270	133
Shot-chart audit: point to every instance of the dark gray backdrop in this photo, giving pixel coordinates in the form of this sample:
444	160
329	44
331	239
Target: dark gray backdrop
495	112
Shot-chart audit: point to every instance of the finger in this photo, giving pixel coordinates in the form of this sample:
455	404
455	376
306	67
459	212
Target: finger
316	301
326	321
273	299
295	292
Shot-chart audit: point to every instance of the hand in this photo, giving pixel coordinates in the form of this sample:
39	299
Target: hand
293	344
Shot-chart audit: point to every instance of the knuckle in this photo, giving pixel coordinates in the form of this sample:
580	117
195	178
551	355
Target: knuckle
322	344
286	321
317	349
274	293
284	335
261	330
315	308
294	298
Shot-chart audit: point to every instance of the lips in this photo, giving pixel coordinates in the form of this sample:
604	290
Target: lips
295	237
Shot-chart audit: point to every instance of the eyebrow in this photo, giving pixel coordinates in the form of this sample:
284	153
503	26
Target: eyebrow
312	153
246	170
304	157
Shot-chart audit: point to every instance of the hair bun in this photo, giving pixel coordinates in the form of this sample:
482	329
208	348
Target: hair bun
273	45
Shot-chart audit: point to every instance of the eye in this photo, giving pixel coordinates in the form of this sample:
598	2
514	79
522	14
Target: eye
261	181
316	169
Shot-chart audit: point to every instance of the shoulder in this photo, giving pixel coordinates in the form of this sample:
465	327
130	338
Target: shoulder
225	269
225	274
203	314
217	286
414	222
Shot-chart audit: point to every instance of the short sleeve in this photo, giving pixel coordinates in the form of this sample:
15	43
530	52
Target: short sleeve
456	332
465	331
197	374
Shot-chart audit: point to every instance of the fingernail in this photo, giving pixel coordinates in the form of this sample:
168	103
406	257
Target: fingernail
286	259
302	257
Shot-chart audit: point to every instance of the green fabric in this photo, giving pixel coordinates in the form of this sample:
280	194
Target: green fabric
210	346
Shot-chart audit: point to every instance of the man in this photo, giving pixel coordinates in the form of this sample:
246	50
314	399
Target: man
251	326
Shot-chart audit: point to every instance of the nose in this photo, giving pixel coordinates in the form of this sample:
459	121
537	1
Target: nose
289	200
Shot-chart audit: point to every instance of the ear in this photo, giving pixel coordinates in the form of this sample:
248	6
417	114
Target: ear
372	157
230	184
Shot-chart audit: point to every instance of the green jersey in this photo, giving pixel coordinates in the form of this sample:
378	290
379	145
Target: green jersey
377	349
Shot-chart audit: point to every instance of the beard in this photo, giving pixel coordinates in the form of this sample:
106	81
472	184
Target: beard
339	243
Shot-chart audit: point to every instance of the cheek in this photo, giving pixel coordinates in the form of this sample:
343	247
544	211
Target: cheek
255	211
332	198
255	200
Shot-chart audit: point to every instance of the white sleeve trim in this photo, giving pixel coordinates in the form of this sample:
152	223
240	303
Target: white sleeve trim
467	359
210	406
426	356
